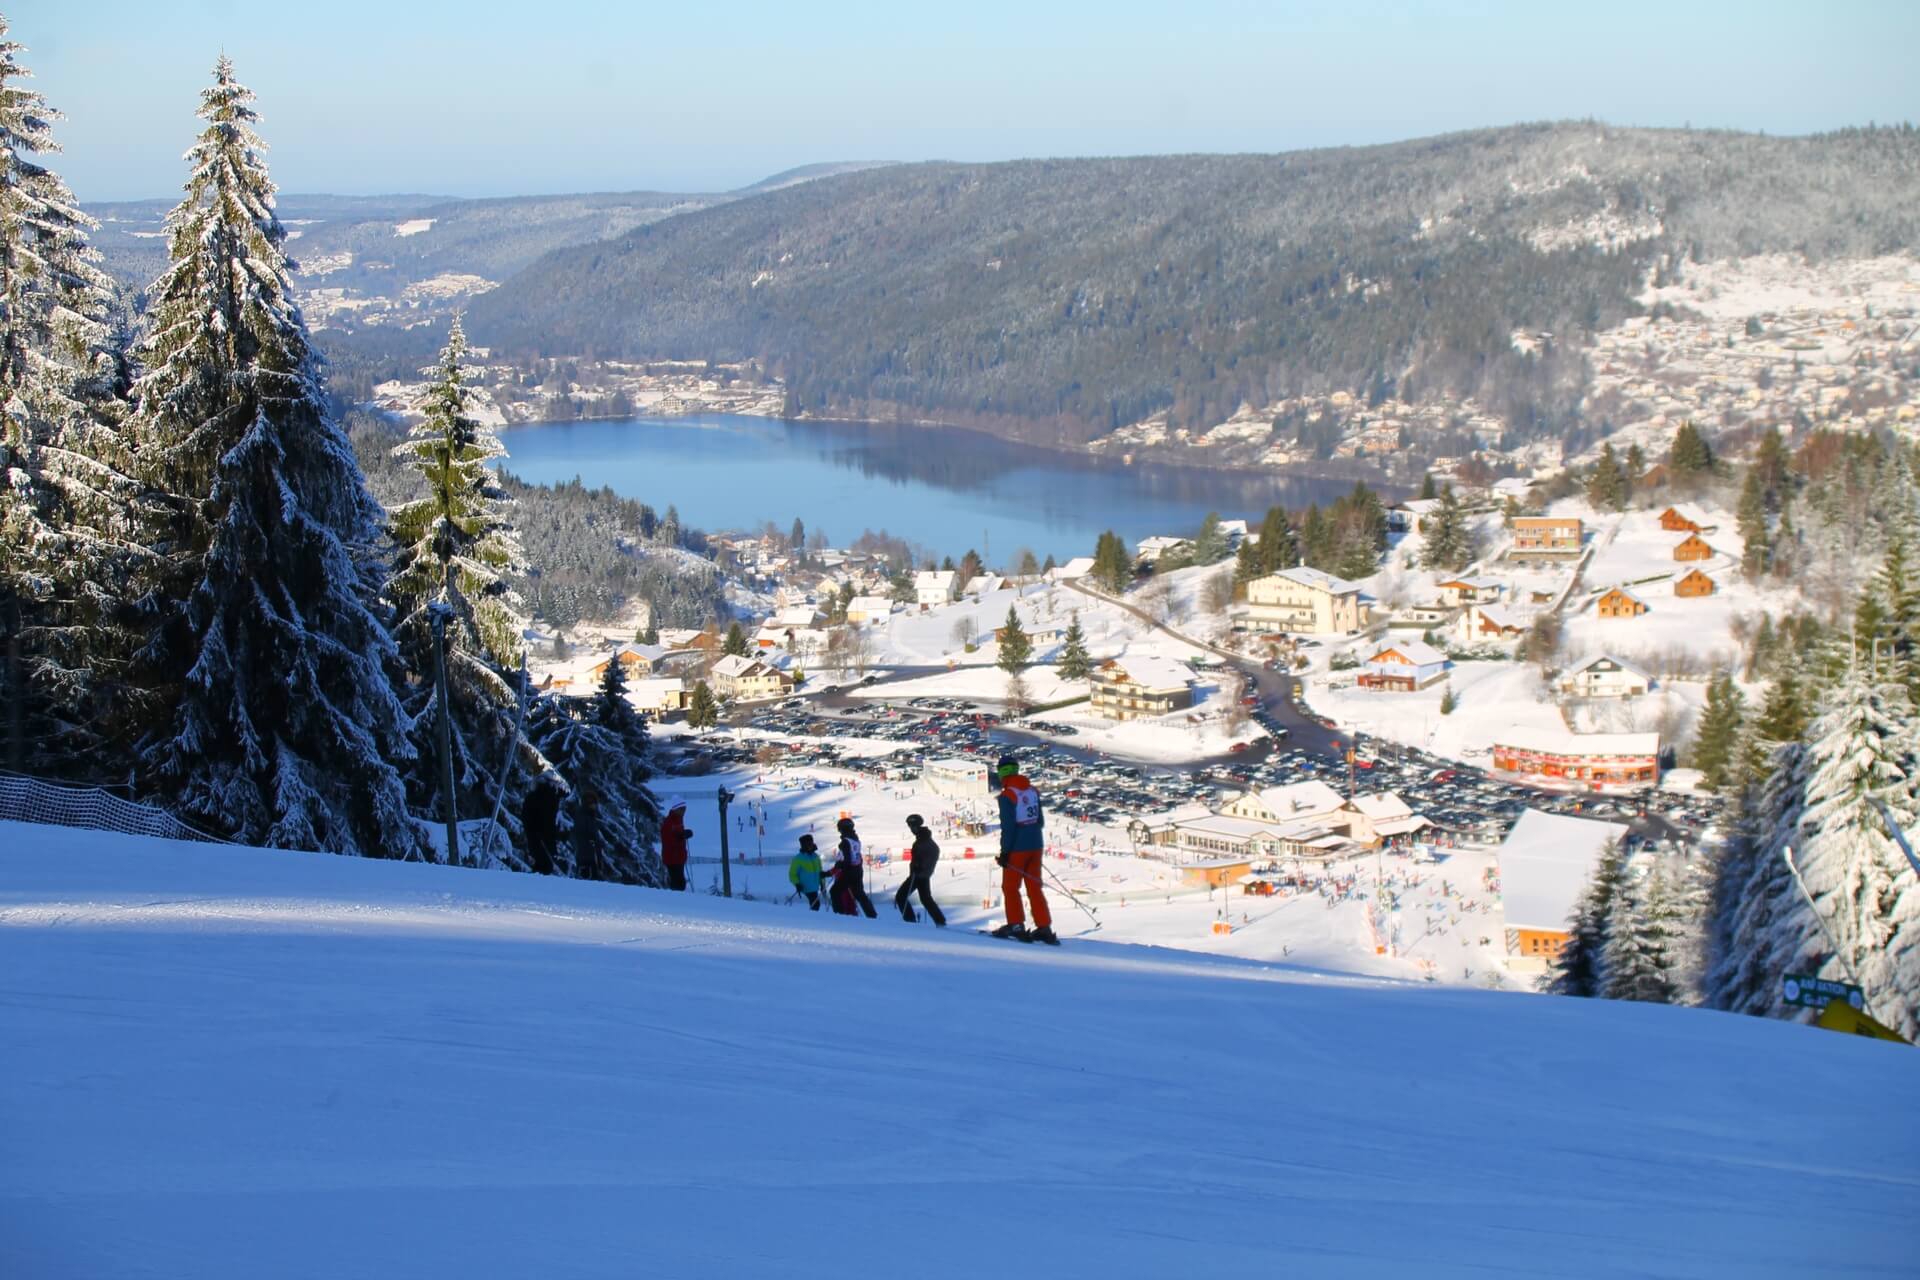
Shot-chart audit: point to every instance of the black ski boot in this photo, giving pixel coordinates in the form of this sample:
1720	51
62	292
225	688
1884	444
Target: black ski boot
1015	931
906	913
1043	934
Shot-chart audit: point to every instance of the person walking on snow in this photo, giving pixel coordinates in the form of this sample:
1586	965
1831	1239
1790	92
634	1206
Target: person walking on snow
926	856
673	845
804	872
849	873
1022	840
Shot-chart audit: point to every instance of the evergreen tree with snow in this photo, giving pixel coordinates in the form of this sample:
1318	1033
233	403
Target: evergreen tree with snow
735	645
1074	662
1606	484
1861	751
602	748
1637	958
1015	648
456	549
1757	557
703	709
1580	969
1449	540
1716	744
1758	916
1689	455
1210	545
68	506
1783	713
268	640
1279	547
1112	564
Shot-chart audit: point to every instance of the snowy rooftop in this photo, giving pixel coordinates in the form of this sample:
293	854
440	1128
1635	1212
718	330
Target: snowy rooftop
1150	671
1383	806
1621	663
1320	581
1561	742
1418	652
1545	864
1300	798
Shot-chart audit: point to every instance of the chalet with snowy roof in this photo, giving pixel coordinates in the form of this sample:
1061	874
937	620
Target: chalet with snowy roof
1546	864
1619	603
936	587
1458	591
1381	817
1483	622
1605	677
1556	757
1072	571
1695	585
1693	547
1404	517
1291	803
1546	537
659	695
867	610
1403	667
1674	520
1153	550
1305	601
1127	688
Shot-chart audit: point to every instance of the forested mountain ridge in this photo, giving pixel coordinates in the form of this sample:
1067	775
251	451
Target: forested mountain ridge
1058	299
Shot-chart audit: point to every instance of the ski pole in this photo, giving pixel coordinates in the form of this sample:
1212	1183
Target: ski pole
1090	912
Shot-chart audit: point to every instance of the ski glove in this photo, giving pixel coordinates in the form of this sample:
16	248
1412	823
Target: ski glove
1001	861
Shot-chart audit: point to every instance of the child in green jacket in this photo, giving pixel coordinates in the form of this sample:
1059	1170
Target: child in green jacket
804	872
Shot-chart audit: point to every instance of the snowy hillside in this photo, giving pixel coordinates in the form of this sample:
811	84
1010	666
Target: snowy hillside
220	1062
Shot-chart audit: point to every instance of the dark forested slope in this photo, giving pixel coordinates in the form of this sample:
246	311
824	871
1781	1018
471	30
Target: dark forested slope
1058	299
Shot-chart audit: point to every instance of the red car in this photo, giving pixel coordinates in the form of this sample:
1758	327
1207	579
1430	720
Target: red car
1238	747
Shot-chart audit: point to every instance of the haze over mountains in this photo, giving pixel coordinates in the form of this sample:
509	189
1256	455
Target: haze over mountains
1056	300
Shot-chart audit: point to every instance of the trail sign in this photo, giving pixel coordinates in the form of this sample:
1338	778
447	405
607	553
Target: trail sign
1817	993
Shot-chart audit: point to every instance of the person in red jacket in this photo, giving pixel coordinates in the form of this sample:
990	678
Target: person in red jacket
673	845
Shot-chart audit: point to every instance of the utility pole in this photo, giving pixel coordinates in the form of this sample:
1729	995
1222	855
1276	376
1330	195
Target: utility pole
438	612
726	866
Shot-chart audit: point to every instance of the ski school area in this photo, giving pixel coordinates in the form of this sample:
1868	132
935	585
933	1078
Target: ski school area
1383	913
230	1063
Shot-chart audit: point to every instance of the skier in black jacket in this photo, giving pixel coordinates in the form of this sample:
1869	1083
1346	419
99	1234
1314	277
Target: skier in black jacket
926	856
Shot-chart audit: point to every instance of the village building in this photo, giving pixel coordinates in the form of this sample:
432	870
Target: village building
955	777
1127	688
1602	761
1404	517
1546	537
1152	550
1693	547
1291	803
1695	585
1483	622
1305	601
1458	591
1072	571
1674	520
1384	816
1605	677
745	679
659	695
1619	603
867	610
1546	863
1403	667
935	587
1421	617
982	583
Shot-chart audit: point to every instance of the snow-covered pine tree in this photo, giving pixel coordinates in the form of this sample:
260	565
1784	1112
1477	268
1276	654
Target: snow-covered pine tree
457	548
1580	969
1758	915
1074	662
601	747
68	509
268	640
1861	750
1636	959
1449	540
1716	744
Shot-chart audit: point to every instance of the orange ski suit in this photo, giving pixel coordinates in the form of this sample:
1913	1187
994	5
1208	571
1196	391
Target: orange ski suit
1024	866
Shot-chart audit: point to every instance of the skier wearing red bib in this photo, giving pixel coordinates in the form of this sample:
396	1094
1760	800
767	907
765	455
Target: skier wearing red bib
1022	841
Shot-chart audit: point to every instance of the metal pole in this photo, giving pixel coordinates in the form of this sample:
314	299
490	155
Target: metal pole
1786	852
438	613
726	866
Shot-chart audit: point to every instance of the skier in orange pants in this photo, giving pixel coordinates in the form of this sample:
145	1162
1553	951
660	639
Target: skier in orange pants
1022	842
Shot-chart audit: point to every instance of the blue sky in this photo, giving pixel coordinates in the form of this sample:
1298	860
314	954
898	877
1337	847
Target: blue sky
485	98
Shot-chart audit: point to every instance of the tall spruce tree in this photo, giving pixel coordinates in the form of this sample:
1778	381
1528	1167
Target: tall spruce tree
735	645
1449	542
68	507
1279	547
602	748
1756	558
1638	959
1210	545
1016	649
1716	744
456	549
1606	484
269	639
1074	662
1689	454
1758	915
1580	969
1861	754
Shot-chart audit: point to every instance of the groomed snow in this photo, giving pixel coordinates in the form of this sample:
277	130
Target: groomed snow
224	1062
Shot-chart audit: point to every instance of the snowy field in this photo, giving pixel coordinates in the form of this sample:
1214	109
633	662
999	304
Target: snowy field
224	1062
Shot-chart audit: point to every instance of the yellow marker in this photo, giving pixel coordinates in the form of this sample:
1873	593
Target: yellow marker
1841	1016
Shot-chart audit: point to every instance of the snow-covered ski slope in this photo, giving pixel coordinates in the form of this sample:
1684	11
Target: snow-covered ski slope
221	1062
